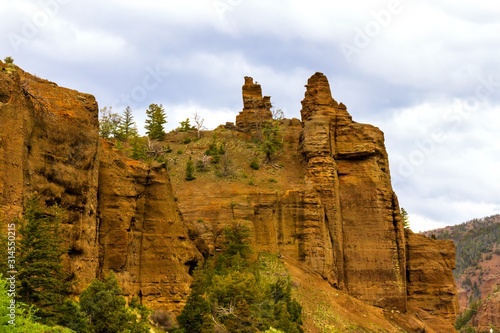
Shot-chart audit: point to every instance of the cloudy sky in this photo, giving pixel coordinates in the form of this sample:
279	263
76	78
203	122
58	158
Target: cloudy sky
425	72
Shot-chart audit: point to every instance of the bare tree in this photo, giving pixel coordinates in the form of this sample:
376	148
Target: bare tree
198	120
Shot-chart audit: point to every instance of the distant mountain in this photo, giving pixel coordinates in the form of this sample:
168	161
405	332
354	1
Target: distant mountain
477	272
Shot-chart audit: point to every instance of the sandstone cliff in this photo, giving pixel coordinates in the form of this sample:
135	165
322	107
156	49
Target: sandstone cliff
141	234
331	207
327	204
48	144
121	213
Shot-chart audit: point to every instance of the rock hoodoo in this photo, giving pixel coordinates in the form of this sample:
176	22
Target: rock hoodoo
256	109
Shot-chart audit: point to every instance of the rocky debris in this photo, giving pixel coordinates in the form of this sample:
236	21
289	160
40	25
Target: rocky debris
142	236
256	109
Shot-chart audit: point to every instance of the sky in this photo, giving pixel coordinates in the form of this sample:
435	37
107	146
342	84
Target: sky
427	73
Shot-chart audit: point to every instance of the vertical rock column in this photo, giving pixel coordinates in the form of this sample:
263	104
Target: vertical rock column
256	109
142	236
318	113
348	165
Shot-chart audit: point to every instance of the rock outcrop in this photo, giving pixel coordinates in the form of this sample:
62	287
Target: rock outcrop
256	109
339	214
122	215
488	314
49	144
431	285
348	166
141	234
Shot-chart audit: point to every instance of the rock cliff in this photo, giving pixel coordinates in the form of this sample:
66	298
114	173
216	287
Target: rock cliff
121	213
327	204
141	234
332	208
49	144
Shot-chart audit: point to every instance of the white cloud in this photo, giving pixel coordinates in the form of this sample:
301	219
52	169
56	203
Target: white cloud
444	166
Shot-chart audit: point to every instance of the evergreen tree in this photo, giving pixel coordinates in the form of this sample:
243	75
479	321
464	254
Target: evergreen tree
127	128
195	317
73	317
21	318
139	148
156	118
231	293
270	143
190	169
42	281
404	217
105	307
185	126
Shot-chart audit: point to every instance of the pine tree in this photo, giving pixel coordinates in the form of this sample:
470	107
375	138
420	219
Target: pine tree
139	149
185	126
404	218
106	308
127	127
270	143
42	281
156	118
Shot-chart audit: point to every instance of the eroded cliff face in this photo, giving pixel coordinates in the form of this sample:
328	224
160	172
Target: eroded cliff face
348	167
48	144
141	234
121	213
431	285
334	210
328	206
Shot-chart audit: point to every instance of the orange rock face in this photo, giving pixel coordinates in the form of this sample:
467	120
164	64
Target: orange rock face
431	285
330	207
339	216
141	234
48	144
348	167
488	314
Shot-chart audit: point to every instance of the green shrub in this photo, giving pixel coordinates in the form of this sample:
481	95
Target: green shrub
254	165
190	169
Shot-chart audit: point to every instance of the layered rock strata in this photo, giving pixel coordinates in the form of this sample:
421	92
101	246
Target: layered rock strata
431	285
334	211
